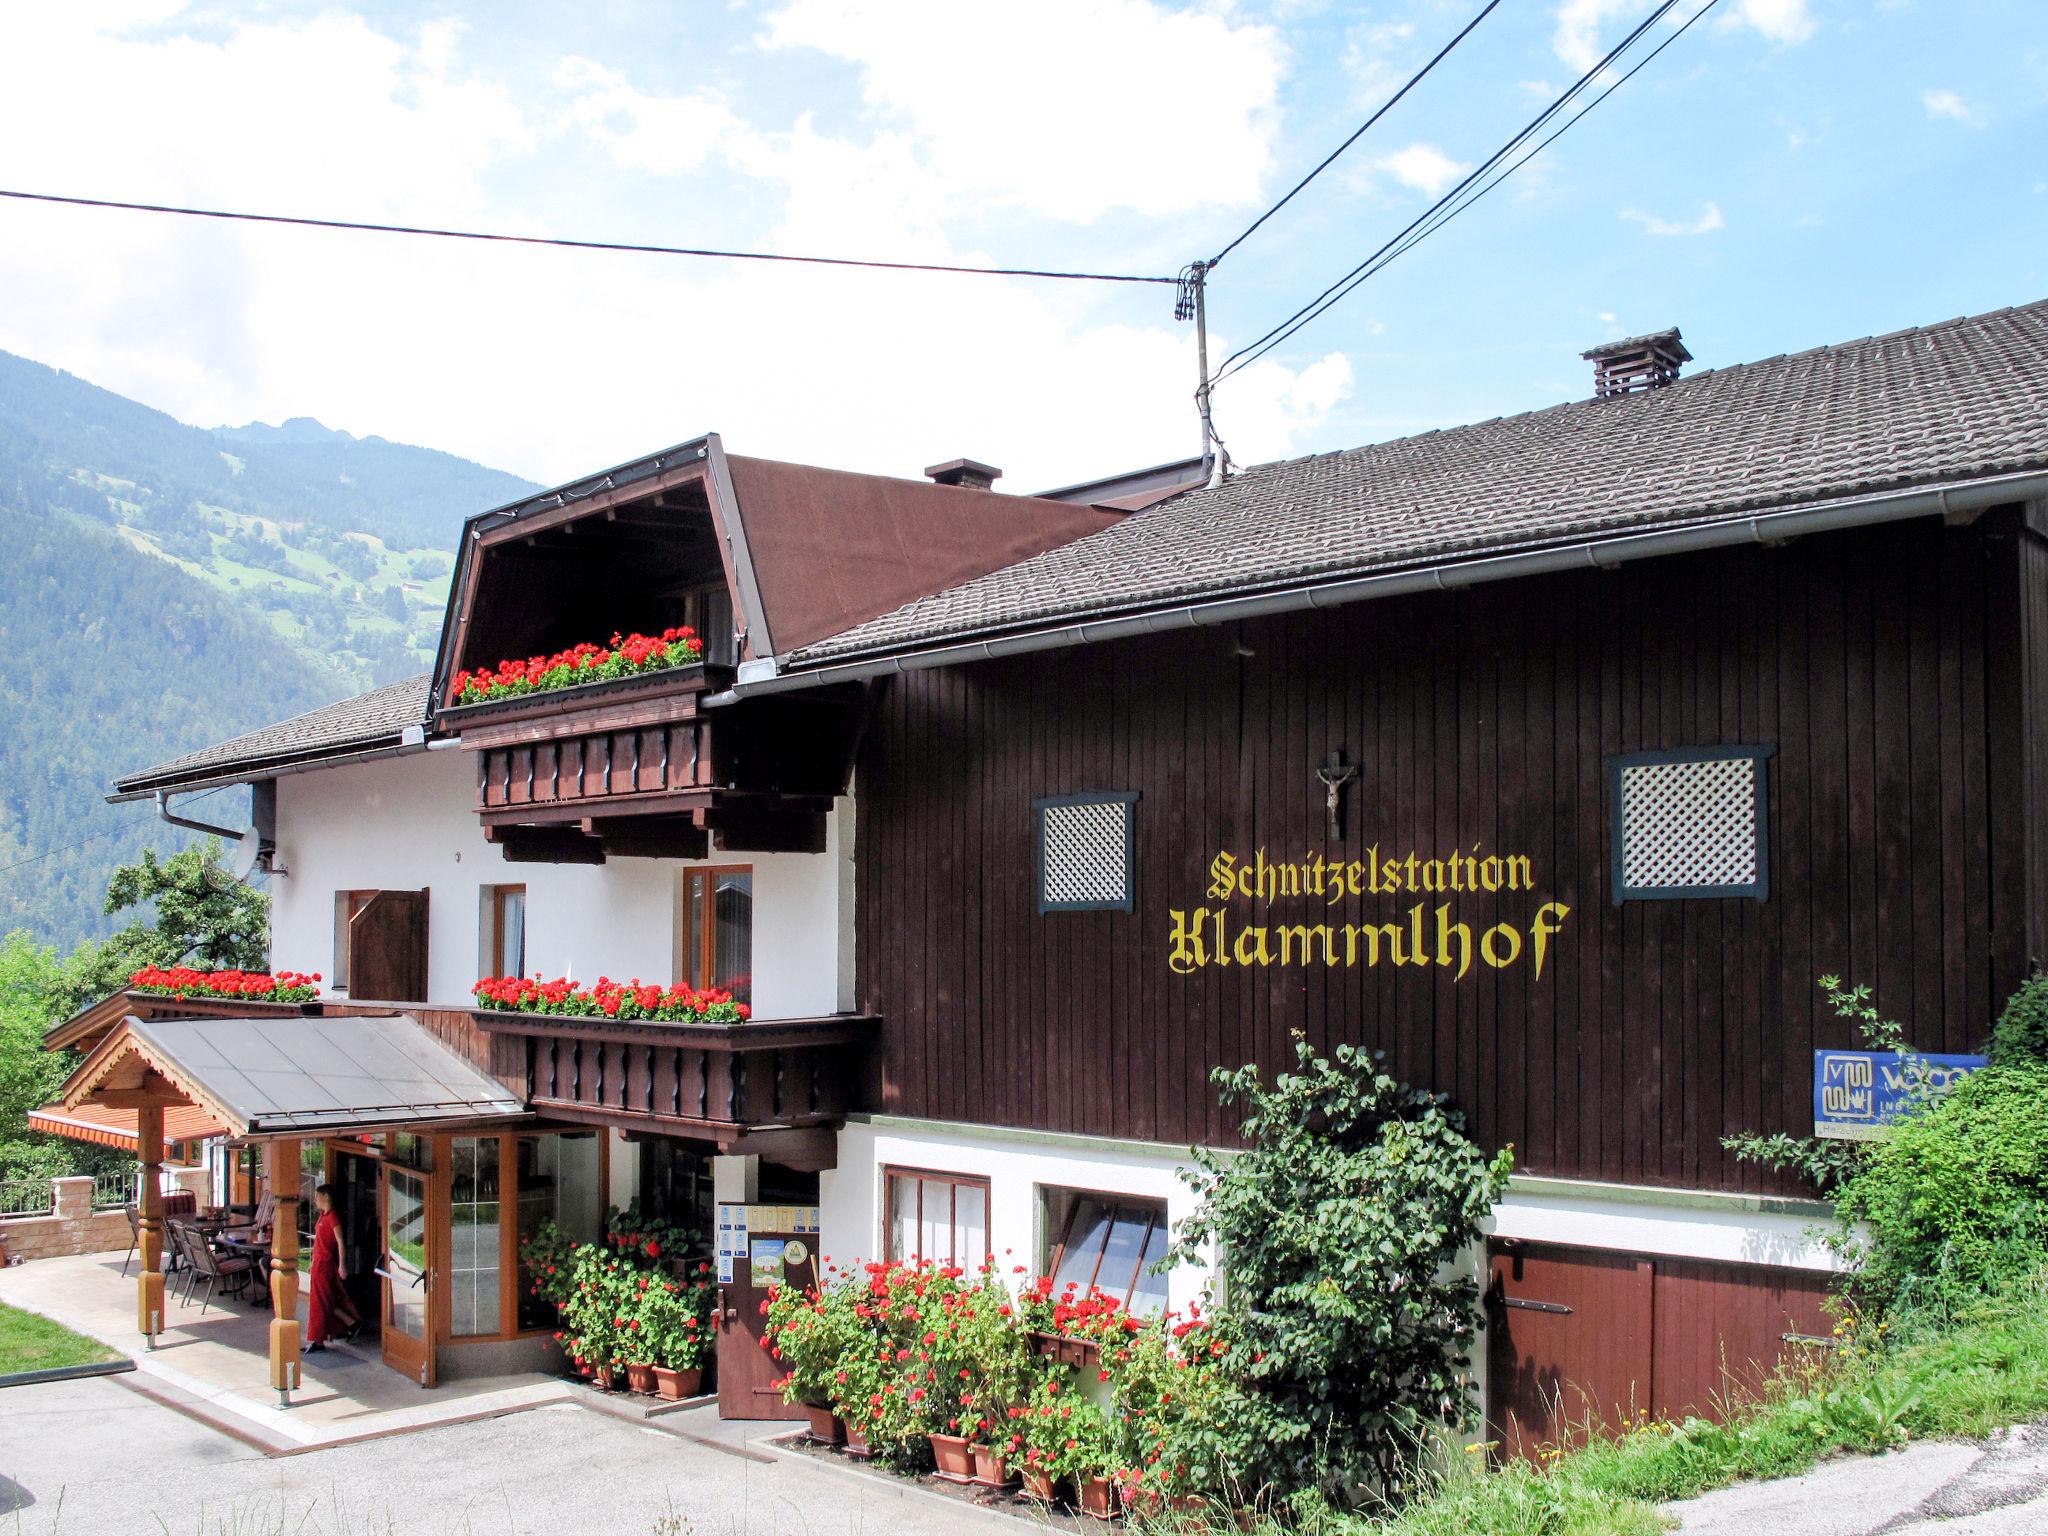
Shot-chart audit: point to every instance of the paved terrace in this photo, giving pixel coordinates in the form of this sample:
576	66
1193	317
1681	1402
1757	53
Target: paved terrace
218	1364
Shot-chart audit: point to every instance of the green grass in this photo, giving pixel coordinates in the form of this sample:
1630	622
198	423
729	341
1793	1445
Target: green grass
1928	1379
32	1343
1924	1378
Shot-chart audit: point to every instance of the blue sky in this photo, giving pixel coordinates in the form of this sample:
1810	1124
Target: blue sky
1790	172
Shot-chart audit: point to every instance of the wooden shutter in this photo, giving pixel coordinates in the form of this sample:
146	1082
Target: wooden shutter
387	948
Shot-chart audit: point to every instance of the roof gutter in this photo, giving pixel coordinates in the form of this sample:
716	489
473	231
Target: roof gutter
1755	528
251	772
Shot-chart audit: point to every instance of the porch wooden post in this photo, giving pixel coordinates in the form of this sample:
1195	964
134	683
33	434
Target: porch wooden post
149	1235
281	1172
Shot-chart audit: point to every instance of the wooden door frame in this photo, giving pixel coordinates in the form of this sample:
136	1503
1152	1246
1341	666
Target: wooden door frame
426	1371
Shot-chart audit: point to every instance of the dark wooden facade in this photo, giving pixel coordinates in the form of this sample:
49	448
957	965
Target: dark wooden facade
1894	670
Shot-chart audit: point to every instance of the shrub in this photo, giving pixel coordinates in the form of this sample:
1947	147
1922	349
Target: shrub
983	1347
2021	1034
1955	1199
1175	1406
1344	1228
812	1330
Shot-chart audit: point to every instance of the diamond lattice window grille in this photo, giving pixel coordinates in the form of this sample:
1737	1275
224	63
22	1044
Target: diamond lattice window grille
1690	824
1086	849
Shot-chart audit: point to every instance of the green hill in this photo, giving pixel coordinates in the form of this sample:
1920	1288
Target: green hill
167	586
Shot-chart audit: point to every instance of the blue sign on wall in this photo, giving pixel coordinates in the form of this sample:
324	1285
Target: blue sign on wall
1856	1094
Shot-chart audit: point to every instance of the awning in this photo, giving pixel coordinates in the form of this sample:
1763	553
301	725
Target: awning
108	1127
291	1076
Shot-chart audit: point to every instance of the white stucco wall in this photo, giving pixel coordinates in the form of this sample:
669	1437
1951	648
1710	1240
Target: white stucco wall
409	823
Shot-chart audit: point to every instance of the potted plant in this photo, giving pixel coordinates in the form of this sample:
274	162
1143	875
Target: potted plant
813	1330
676	1316
987	1353
1069	1327
1085	1454
626	656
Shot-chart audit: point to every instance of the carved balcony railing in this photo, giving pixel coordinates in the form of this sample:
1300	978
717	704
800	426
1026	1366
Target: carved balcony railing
639	767
722	1083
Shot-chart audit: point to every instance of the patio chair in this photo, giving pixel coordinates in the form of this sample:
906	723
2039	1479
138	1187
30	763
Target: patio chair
257	1228
215	1269
179	1237
134	1233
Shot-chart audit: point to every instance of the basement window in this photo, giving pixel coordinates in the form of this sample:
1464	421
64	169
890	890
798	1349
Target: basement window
1690	823
1087	852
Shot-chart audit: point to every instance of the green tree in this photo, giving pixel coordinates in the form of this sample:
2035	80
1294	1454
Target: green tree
32	987
201	913
1345	1230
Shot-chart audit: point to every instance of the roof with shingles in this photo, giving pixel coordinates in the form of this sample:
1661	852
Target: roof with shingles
365	721
1936	404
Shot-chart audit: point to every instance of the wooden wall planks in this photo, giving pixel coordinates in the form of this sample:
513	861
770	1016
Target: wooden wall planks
1885	665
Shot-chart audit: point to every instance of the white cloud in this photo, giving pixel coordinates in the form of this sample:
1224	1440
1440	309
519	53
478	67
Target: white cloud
1708	221
549	362
666	135
1097	104
1423	167
1947	104
1586	29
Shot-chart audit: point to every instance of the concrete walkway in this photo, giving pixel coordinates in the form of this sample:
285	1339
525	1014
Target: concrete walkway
1999	1488
217	1362
95	1458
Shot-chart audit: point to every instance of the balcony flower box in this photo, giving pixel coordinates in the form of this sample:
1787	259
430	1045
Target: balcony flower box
183	983
610	1000
627	656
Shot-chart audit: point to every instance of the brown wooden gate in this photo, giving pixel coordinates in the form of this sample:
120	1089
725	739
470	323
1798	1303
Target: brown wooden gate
1579	1336
387	948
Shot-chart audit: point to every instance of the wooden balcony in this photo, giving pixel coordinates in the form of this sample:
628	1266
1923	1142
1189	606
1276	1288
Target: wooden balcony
777	1086
638	768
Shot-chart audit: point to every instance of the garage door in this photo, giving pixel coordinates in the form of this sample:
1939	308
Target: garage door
1585	1336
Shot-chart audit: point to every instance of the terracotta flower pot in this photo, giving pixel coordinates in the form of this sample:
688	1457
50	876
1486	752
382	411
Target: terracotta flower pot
640	1378
604	1378
856	1441
827	1428
991	1466
956	1461
1093	1497
1040	1486
675	1385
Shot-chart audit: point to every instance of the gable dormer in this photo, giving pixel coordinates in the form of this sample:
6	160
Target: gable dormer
755	557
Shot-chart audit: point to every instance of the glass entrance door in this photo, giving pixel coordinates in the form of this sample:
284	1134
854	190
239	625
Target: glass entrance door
407	1271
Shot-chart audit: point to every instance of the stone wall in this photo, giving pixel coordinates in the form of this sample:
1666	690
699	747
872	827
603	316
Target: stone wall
73	1227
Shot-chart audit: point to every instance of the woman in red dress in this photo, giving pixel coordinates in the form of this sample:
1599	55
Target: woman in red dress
329	1312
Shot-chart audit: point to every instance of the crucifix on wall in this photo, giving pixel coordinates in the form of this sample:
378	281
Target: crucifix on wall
1335	774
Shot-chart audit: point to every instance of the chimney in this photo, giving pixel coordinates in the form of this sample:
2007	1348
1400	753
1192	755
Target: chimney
1636	363
971	473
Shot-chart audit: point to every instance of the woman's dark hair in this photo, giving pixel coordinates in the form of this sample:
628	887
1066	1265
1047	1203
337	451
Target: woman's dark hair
324	1189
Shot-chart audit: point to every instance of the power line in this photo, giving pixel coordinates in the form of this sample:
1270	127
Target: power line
1455	201
92	837
577	245
1385	107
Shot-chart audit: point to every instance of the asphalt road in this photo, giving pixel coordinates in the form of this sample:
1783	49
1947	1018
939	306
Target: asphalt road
1999	1488
89	1457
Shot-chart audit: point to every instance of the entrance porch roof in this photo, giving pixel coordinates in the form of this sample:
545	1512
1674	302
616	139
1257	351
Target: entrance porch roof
291	1076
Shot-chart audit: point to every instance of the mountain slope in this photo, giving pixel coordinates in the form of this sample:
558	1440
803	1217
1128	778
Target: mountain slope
167	586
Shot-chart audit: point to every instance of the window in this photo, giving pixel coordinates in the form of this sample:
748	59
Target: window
561	1179
708	610
715	942
346	905
1690	823
942	1217
474	1235
501	934
1086	849
1110	1242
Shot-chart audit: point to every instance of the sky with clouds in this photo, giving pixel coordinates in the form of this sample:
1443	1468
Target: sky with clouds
1790	172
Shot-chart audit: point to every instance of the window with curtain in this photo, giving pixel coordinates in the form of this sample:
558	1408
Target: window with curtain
1109	1243
502	950
715	947
941	1217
